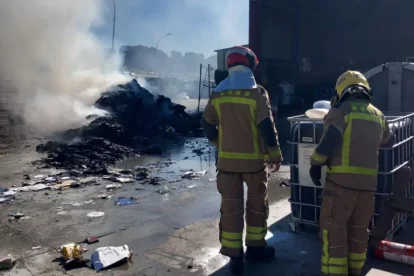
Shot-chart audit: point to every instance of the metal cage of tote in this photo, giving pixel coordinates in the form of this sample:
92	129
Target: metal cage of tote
306	198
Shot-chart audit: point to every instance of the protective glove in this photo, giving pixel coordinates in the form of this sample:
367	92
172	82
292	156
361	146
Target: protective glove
316	174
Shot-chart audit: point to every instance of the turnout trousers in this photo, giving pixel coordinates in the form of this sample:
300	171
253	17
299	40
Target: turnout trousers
344	221
231	188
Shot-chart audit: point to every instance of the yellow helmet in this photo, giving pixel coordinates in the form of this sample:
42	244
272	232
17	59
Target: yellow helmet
351	78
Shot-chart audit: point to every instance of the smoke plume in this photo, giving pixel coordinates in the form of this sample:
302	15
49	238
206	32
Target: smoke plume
58	67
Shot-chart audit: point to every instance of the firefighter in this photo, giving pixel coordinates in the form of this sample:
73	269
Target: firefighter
238	120
354	130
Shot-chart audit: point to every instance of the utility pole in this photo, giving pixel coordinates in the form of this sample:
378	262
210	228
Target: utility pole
156	49
113	29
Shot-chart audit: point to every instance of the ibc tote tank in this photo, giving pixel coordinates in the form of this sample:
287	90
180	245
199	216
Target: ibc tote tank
392	86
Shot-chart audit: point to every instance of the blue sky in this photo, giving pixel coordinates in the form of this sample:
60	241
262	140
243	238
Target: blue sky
197	25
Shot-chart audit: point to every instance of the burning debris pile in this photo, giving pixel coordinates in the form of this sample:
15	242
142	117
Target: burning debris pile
135	118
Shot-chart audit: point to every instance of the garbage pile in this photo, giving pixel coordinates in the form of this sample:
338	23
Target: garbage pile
135	119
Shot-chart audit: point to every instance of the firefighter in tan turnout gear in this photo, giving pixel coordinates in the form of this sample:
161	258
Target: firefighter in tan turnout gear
354	130
238	120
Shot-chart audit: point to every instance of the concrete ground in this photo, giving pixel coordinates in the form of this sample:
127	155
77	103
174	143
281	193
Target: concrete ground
170	234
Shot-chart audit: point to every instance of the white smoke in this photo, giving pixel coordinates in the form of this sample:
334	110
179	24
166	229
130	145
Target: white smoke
58	67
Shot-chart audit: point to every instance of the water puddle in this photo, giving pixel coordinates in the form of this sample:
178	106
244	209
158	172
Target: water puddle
179	157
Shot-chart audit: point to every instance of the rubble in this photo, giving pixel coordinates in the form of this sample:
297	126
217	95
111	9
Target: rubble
192	174
90	156
7	263
135	117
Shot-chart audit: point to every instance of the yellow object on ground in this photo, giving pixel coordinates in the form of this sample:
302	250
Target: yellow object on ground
72	251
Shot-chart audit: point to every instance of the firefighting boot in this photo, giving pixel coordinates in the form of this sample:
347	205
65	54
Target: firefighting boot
260	254
236	266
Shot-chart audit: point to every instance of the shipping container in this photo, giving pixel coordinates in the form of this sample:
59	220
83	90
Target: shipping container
309	43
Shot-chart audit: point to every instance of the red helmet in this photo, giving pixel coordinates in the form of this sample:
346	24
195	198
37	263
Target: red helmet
240	55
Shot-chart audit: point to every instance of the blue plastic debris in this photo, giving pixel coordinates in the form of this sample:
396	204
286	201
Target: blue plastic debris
125	201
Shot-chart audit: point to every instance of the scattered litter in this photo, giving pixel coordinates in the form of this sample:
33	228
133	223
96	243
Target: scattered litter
7	263
104	257
18	215
38	187
72	251
75	185
284	184
25	217
155	180
113	186
192	174
96	214
124	171
124	179
65	184
9	193
30	183
51	179
164	190
21	189
105	196
76	204
191	186
62	213
39	176
65	178
5	199
125	201
88	180
92	240
88	202
212	179
36	247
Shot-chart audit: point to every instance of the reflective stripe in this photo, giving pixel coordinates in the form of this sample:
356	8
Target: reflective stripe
256	230
231	244
256	233
357	260
231	236
319	158
255	237
369	115
235	155
356	264
275	153
352	170
358	256
331	265
228	98
334	261
334	270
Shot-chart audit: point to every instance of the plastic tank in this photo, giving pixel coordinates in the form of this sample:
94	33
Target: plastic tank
392	86
306	197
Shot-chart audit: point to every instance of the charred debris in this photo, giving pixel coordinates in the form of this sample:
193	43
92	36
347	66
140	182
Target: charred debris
136	119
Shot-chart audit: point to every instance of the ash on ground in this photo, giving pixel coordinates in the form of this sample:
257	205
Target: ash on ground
135	120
